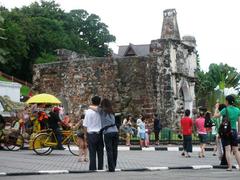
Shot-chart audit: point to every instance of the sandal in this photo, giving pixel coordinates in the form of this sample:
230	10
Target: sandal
80	159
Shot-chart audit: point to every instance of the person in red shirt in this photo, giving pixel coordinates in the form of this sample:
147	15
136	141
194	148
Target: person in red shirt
186	127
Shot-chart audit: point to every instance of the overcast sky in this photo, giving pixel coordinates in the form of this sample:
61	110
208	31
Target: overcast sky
214	23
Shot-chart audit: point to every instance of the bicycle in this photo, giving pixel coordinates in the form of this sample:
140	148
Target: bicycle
45	141
12	140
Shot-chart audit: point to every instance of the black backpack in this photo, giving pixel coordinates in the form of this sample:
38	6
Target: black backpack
225	129
208	123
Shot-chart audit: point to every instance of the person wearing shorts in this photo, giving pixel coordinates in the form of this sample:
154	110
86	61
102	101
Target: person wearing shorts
202	134
142	132
230	143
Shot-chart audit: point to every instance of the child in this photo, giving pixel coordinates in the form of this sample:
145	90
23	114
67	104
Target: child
147	135
142	132
82	141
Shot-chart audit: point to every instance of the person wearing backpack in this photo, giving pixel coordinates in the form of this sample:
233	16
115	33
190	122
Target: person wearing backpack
231	114
208	124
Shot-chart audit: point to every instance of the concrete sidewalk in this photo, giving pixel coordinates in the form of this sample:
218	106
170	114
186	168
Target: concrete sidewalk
27	162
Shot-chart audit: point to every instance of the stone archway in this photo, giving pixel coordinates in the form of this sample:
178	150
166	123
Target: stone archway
185	91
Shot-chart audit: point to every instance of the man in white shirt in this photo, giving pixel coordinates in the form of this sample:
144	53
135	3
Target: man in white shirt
92	124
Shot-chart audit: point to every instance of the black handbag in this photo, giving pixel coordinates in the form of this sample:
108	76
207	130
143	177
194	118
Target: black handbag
225	129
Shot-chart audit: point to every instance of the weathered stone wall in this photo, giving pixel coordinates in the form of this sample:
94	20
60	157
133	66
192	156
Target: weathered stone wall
127	82
163	82
175	82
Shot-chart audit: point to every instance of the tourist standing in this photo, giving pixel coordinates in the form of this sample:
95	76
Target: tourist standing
202	134
216	123
127	128
221	149
230	142
110	132
82	140
156	128
186	126
142	132
92	124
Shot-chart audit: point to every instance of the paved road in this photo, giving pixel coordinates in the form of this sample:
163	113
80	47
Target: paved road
28	161
63	160
163	175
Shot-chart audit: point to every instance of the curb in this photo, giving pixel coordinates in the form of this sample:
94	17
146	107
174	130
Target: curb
194	167
157	148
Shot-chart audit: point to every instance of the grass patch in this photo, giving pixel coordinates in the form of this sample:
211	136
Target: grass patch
3	79
24	90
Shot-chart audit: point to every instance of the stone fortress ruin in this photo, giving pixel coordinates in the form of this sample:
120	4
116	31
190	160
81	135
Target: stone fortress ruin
153	78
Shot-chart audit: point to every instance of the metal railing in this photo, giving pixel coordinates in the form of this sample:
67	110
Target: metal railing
13	79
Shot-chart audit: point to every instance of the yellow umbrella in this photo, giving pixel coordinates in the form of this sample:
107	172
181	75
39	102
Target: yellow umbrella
43	99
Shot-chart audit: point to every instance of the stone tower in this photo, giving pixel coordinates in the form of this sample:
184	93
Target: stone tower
176	62
170	26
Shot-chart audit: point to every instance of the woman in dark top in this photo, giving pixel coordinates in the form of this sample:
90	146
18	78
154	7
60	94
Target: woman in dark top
157	128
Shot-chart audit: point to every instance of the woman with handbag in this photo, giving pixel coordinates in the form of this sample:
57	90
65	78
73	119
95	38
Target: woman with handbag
229	137
110	132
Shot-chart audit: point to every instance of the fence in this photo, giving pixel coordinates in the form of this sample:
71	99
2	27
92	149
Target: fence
13	79
167	136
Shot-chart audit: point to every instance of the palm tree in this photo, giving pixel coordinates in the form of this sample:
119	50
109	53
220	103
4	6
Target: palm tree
224	76
204	89
211	85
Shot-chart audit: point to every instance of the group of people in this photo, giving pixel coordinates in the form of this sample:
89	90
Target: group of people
142	129
227	142
98	127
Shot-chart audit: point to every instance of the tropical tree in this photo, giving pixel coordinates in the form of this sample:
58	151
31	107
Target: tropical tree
204	88
34	32
92	35
224	76
211	85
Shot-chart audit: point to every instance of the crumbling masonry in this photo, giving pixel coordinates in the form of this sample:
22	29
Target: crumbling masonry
161	81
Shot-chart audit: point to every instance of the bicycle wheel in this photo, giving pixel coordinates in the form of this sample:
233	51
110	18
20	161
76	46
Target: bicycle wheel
41	145
16	145
73	145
